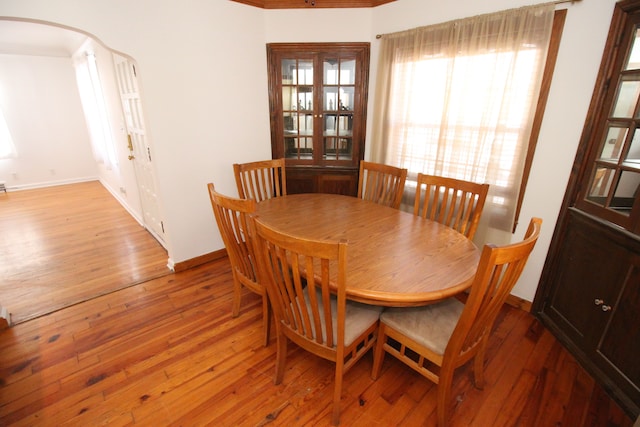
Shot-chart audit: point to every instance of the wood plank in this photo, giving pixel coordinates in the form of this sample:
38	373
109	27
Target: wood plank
175	355
65	244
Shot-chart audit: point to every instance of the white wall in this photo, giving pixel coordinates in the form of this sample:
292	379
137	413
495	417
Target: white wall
203	74
120	179
39	98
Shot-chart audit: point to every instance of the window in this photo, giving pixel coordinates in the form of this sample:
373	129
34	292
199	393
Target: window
95	108
7	149
459	99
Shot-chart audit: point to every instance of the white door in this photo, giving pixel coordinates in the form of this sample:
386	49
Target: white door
139	151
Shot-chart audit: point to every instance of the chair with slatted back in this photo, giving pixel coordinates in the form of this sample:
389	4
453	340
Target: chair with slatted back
300	276
232	218
382	184
261	180
453	202
448	334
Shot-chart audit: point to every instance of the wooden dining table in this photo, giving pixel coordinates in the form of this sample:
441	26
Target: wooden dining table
394	258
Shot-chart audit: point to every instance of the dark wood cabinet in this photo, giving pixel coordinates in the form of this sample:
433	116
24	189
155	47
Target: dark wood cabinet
318	100
593	303
589	291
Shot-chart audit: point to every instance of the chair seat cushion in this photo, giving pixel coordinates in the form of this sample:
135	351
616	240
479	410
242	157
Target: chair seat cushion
359	317
431	326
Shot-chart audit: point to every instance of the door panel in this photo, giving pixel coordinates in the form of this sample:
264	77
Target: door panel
140	151
588	268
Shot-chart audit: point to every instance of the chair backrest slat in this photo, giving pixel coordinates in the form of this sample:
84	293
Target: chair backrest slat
261	180
382	184
455	203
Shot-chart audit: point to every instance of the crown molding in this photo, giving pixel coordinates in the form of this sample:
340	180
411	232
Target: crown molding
303	4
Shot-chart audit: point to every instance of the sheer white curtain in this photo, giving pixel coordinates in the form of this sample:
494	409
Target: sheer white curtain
95	109
458	99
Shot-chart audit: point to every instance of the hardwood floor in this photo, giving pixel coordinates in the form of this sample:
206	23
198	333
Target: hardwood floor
167	352
65	244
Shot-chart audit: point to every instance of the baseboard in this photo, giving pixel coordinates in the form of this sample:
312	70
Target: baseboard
5	318
202	259
520	303
36	185
125	204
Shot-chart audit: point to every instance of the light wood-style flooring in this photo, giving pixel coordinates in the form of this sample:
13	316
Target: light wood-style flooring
69	243
166	352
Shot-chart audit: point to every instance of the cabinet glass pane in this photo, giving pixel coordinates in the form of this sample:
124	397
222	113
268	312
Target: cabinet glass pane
330	124
633	63
305	73
600	185
305	124
345	124
305	98
288	71
298	148
632	158
306	148
627	99
330	98
290	124
613	143
331	71
348	72
289	98
626	191
347	98
338	148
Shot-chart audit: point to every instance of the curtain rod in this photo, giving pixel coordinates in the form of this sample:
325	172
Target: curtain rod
379	36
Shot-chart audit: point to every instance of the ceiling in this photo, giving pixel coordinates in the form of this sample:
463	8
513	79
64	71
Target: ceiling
29	38
297	4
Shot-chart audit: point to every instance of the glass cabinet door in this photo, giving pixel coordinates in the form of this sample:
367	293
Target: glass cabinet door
338	88
297	108
612	191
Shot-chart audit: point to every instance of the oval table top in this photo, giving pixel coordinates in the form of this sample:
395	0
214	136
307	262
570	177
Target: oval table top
393	257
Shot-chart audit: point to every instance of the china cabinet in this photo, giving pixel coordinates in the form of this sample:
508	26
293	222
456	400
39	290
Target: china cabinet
589	292
318	98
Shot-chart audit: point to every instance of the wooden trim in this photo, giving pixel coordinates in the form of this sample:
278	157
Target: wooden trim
317	4
512	301
5	318
202	259
519	303
552	55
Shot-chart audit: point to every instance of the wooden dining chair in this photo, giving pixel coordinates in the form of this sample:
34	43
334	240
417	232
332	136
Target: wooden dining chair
306	283
448	334
382	184
261	180
232	217
453	202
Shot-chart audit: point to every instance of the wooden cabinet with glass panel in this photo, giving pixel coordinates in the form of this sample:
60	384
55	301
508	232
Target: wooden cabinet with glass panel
318	95
613	180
